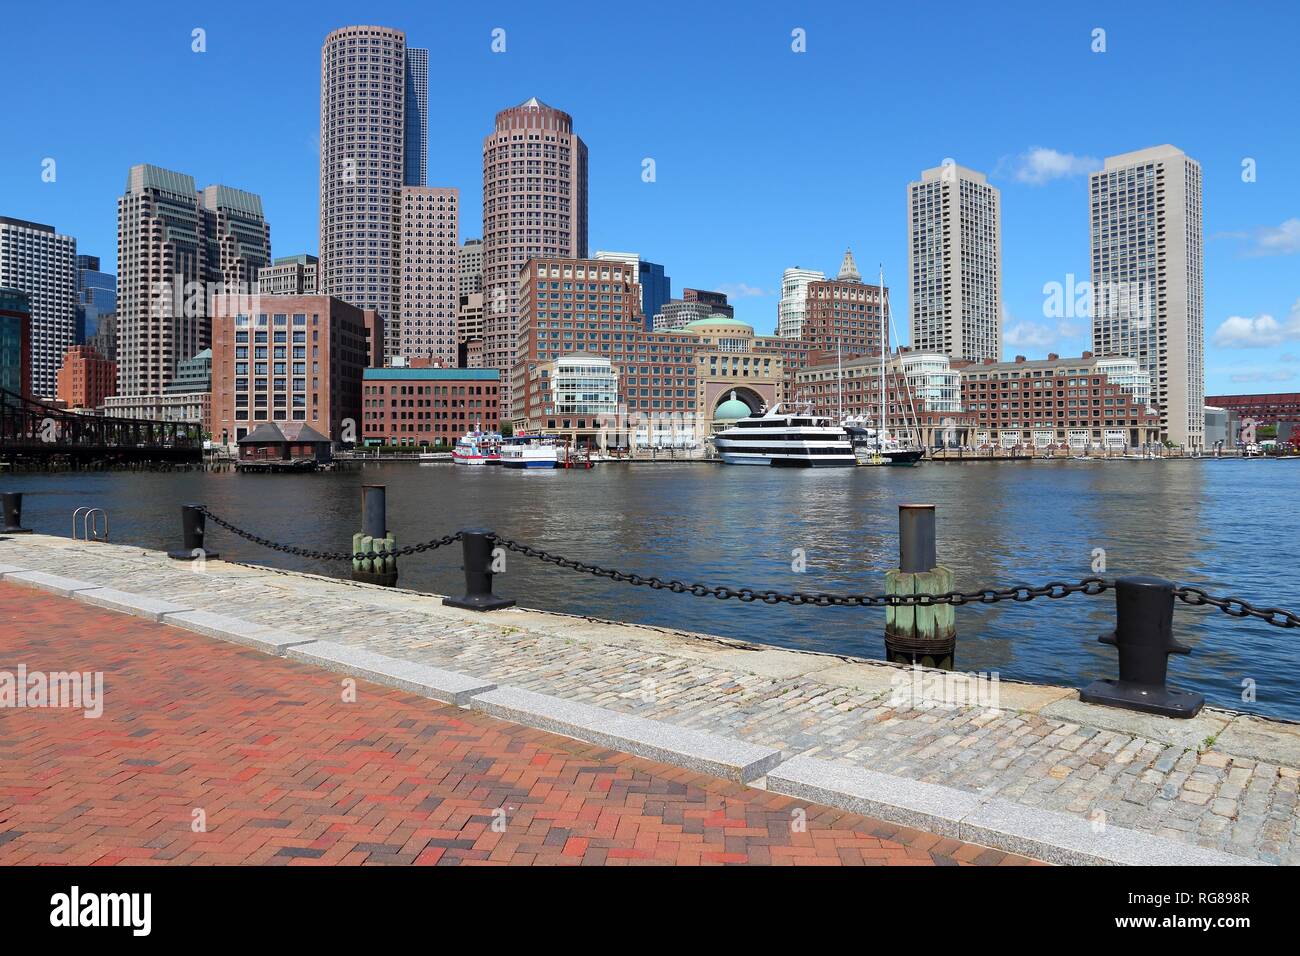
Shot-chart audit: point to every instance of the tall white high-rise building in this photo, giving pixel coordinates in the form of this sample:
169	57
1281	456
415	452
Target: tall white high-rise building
1148	279
794	293
954	239
43	264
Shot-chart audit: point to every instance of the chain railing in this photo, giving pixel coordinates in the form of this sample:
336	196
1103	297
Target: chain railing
919	627
431	545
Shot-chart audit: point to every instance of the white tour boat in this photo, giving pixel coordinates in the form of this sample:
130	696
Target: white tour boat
530	451
785	436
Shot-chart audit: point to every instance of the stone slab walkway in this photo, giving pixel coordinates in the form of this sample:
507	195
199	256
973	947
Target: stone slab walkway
1221	781
279	769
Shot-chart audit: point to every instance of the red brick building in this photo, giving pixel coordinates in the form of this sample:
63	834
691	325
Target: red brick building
302	360
568	306
428	405
1266	409
15	341
1086	401
845	313
86	378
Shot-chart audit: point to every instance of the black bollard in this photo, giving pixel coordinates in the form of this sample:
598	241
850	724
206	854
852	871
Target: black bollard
13	513
194	524
374	539
1144	637
477	550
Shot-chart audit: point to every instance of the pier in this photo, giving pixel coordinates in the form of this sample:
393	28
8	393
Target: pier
1035	773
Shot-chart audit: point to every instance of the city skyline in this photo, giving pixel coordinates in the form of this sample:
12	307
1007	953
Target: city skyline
733	216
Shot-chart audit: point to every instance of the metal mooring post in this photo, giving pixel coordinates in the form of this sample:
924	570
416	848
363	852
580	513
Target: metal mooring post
477	550
194	524
13	512
375	541
1144	637
919	634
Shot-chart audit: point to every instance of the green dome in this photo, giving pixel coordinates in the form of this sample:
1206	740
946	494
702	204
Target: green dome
731	410
716	320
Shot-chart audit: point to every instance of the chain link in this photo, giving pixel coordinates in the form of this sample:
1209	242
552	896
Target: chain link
1236	607
1020	592
331	555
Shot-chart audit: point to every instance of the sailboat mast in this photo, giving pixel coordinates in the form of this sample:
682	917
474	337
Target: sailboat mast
881	424
839	378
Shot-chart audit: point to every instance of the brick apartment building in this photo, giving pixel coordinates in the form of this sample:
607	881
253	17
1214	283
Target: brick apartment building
428	405
1265	409
85	378
302	361
1088	400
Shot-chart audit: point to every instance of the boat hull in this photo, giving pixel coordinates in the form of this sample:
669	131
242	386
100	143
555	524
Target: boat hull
522	464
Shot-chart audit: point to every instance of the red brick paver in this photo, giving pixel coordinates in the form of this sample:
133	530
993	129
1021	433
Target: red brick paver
281	769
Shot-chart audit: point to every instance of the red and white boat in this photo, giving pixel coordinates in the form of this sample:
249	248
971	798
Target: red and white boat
477	448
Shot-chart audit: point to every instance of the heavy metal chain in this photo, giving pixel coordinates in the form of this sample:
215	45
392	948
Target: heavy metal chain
1236	607
331	555
1020	592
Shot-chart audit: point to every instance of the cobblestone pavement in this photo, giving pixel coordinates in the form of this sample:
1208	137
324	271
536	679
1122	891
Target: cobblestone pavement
285	771
1221	781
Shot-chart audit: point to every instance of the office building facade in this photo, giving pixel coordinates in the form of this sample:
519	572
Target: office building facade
43	264
430	300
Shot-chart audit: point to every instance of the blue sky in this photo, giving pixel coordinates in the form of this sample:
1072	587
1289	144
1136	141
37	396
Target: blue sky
765	158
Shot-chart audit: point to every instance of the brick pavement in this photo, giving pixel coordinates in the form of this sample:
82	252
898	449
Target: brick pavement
285	772
1220	781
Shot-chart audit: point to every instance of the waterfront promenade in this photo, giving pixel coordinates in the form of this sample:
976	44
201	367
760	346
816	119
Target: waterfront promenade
1044	775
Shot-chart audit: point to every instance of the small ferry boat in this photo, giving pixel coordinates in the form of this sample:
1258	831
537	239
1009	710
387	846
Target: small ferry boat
785	436
477	448
873	449
530	451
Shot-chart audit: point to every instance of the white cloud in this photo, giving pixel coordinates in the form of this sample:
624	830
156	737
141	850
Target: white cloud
1263	331
1039	165
1019	333
1263	375
741	290
1283	240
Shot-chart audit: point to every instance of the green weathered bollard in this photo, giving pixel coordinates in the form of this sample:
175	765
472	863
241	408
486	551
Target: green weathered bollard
919	634
375	541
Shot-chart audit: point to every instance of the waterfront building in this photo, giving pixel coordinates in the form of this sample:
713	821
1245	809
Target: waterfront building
104	341
844	314
656	286
43	264
1266	409
85	379
300	361
428	405
1148	279
794	293
534	207
15	341
716	301
1218	427
570	306
922	395
96	296
290	275
429	297
373	131
177	246
573	396
1058	401
954	239
728	368
469	267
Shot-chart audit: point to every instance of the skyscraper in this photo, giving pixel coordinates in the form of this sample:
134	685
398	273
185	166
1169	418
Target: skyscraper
430	298
1148	279
373	140
844	314
43	264
534	206
176	246
954	238
96	296
794	291
469	267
